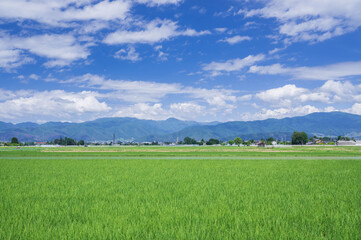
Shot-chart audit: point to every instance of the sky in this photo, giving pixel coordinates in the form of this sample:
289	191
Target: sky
219	60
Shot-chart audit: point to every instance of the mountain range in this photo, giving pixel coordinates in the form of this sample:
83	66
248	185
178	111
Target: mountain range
132	129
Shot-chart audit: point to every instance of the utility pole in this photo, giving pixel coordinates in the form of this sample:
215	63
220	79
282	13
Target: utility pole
113	138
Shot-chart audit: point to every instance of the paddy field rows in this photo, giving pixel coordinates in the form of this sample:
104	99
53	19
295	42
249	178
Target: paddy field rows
180	193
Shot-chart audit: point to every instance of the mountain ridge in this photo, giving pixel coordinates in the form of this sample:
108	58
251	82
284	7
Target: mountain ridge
133	129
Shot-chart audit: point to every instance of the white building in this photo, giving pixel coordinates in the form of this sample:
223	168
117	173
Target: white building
345	143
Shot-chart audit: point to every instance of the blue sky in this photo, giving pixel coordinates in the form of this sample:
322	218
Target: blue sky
78	60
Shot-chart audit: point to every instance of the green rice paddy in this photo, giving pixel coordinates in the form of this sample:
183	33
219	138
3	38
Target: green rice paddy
180	193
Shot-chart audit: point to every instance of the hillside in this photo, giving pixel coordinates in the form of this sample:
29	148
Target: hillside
326	124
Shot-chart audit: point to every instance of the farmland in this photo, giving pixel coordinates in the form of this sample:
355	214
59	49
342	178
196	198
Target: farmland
180	193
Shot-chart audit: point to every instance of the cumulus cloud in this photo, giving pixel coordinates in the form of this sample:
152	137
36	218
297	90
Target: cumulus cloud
236	39
330	92
281	112
290	100
156	111
311	20
186	109
50	105
8	94
336	71
153	32
143	111
355	109
218	68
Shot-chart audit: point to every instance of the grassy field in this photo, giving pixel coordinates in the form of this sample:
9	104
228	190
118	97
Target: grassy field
180	193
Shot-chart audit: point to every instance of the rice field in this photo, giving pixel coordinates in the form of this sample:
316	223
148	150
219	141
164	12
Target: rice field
180	193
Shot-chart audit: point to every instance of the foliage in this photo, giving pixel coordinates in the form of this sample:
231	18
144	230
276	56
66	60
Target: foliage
189	141
238	141
212	141
14	140
65	141
231	142
343	138
299	138
270	140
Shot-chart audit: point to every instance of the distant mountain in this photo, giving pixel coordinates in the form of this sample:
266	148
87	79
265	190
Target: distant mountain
100	129
321	124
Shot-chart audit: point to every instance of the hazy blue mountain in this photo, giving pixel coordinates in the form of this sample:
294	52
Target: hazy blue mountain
326	124
100	129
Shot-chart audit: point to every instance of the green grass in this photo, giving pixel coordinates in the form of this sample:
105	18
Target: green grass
150	194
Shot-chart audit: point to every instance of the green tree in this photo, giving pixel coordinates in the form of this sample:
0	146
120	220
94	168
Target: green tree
212	141
14	140
231	142
238	141
188	140
81	142
299	138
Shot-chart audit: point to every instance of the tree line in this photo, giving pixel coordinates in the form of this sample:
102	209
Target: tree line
298	138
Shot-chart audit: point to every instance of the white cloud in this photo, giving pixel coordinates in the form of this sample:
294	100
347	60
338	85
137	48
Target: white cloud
329	92
159	2
218	68
34	76
50	105
12	58
7	94
281	112
57	12
341	91
276	94
131	91
355	109
145	92
143	111
220	30
153	32
187	108
236	39
246	97
156	111
290	100
311	20
128	54
60	49
336	71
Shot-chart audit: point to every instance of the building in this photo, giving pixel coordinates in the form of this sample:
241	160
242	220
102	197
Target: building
345	143
261	144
